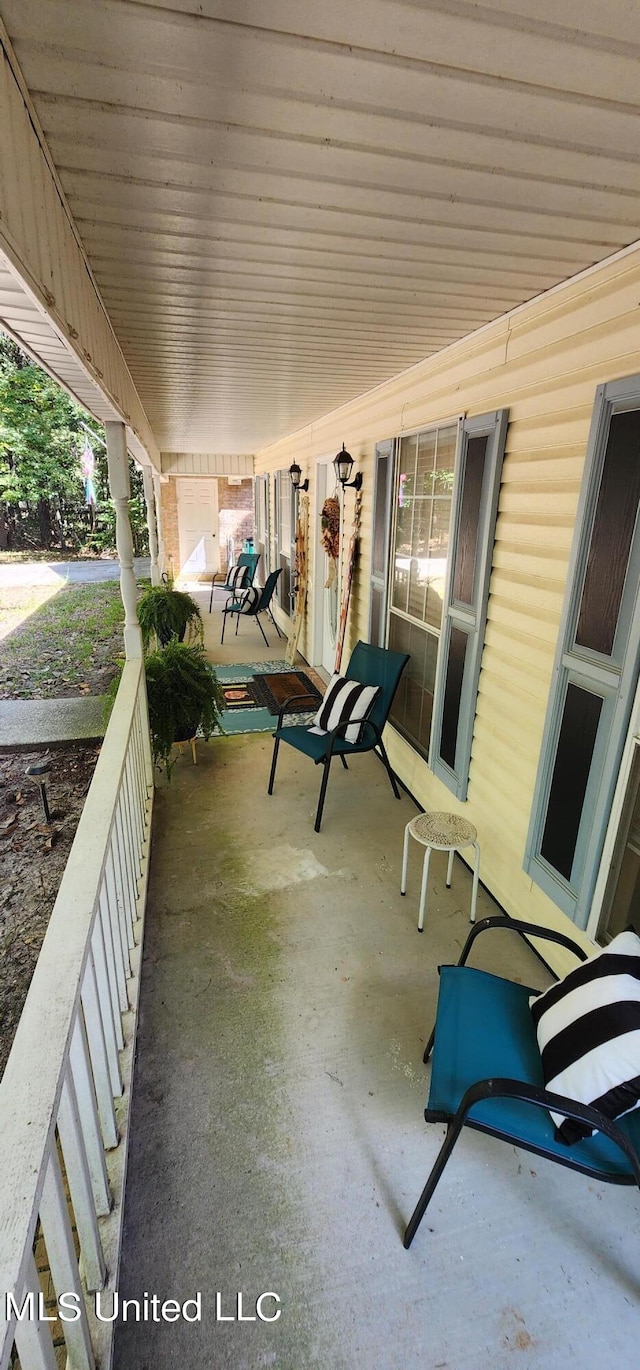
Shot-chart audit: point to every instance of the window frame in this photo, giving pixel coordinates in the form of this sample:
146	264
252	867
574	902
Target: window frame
449	421
285	601
379	578
612	678
469	618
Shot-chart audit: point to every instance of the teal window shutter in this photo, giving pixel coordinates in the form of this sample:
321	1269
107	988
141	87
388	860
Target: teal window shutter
597	659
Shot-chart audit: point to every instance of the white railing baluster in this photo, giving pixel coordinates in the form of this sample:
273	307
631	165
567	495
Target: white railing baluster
136	823
106	1008
143	708
138	776
143	775
68	1061
88	1111
126	879
79	1180
34	1342
98	1055
58	1238
112	953
130	813
117	904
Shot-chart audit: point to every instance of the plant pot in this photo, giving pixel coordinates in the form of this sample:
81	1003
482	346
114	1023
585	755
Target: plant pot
165	637
188	731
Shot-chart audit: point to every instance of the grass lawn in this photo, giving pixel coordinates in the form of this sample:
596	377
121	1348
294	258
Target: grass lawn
59	642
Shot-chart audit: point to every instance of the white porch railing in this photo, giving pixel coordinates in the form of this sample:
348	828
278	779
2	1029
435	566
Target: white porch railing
66	1089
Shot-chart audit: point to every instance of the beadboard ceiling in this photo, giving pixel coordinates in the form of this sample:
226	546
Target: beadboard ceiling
286	202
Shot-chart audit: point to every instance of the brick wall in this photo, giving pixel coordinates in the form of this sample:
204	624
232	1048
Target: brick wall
169	515
236	516
235	519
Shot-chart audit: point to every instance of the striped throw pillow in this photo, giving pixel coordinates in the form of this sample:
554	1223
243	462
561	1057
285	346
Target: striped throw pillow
588	1029
250	599
237	577
345	701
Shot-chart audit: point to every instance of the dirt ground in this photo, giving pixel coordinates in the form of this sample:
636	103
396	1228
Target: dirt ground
33	855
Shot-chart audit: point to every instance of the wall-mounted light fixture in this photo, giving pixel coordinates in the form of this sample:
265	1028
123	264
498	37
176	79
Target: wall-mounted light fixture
343	466
295	473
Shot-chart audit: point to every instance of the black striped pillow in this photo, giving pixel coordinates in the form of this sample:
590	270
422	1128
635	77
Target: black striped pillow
588	1029
237	577
250	599
345	701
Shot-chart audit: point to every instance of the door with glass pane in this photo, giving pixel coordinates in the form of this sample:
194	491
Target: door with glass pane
382	507
420	552
261	490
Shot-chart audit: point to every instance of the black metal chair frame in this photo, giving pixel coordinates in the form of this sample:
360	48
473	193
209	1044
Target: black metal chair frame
518	1089
325	761
235	607
221	584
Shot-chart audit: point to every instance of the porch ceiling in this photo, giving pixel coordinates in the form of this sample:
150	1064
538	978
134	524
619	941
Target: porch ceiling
285	204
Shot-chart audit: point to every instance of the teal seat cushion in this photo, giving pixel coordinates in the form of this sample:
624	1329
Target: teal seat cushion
484	1030
315	744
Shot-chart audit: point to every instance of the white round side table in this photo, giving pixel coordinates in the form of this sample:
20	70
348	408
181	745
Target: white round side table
440	832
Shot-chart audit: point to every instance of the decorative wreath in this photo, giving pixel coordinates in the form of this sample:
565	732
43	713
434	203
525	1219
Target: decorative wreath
330	536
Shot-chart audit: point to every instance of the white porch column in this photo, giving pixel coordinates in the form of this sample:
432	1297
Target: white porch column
157	487
150	501
118	463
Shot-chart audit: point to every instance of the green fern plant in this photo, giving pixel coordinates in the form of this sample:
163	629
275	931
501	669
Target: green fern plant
165	613
184	695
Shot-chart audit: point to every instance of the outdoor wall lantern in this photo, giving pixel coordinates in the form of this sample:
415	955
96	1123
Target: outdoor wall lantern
343	465
295	473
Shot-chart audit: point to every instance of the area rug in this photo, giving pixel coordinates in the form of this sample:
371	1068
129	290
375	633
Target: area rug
241	695
271	691
253	718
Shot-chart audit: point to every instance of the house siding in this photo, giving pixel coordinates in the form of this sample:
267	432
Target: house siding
542	362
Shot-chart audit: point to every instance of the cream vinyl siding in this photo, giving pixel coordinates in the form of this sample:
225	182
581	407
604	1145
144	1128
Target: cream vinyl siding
542	362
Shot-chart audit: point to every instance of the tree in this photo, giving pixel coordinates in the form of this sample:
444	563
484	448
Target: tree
42	435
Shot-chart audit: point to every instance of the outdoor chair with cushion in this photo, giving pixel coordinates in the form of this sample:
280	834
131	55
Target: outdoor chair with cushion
252	602
238	577
551	1073
349	720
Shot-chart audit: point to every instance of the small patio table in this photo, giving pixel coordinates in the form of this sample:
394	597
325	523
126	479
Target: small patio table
441	832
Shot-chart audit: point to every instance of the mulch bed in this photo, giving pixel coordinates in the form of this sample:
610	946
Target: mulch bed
33	855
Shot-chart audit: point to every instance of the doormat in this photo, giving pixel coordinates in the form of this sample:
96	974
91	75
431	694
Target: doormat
241	695
271	691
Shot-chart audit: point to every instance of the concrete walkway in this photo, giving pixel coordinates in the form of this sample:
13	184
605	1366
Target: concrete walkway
35	724
66	572
278	1139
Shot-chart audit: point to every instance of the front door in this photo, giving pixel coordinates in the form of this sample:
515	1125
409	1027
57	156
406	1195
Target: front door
198	527
326	581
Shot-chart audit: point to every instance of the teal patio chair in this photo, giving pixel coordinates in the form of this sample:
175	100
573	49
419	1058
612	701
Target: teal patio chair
487	1074
370	666
250	562
251	602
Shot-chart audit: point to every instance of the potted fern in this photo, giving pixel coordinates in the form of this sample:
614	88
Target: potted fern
184	697
165	613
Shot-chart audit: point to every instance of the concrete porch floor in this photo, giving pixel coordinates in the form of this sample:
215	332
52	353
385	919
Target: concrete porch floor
278	1140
